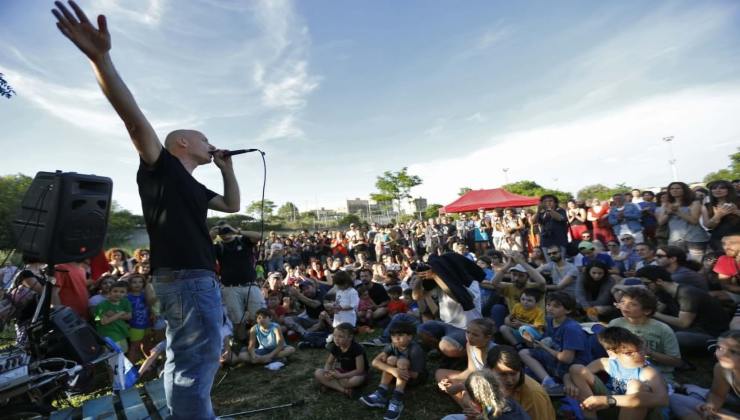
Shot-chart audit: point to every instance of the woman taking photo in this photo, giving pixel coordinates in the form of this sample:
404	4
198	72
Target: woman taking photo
721	214
682	213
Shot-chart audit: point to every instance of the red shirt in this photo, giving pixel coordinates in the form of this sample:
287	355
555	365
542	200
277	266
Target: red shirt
397	306
726	266
72	284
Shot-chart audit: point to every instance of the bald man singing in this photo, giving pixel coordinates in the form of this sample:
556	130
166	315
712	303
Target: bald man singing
175	207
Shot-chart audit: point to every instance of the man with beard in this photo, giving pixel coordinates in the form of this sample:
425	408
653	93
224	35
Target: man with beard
562	273
235	256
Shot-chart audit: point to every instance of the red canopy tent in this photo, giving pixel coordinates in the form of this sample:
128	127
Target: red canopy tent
489	199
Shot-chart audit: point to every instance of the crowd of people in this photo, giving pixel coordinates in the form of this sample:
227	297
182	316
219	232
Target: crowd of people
599	302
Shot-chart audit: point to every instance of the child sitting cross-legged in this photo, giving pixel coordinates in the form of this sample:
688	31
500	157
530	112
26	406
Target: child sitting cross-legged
564	344
402	362
266	343
527	315
634	391
346	366
479	334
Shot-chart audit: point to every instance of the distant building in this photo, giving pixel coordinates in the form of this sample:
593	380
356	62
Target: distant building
358	207
414	205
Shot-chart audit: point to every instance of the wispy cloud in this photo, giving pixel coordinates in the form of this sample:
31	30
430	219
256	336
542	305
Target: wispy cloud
281	128
148	12
619	146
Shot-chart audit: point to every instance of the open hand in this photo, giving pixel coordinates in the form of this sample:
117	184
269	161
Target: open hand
93	42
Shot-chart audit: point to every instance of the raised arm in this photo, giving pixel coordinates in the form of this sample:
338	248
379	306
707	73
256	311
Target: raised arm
95	43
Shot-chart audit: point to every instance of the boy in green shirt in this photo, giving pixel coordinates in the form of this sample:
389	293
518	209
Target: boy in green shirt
112	315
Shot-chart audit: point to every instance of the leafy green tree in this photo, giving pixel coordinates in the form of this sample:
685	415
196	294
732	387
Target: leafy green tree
12	190
601	191
349	219
464	190
288	211
728	174
395	186
255	209
5	89
121	225
432	210
533	189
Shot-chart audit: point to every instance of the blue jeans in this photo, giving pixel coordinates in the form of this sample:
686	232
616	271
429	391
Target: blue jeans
191	304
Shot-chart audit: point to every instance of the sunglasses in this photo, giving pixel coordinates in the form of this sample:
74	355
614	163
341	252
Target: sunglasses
553	253
661	256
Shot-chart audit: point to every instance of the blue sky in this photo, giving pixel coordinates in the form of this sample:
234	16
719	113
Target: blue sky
565	93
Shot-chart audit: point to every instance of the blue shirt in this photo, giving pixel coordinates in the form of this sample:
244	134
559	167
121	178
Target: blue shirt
569	336
601	256
139	312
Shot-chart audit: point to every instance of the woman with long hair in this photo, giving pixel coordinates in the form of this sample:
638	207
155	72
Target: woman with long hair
682	213
119	264
722	213
594	290
597	214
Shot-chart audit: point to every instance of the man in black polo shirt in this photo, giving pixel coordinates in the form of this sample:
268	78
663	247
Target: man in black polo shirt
241	294
175	207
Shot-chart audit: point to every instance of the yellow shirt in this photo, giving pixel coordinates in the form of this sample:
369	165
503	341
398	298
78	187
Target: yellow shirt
534	400
512	293
534	316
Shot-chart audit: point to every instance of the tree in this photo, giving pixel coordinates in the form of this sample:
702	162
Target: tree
601	191
533	189
432	210
728	174
464	190
349	219
395	186
255	208
288	211
121	225
5	89
12	190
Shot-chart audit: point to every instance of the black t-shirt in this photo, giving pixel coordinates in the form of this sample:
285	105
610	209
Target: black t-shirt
347	359
175	207
314	313
710	316
553	232
378	293
237	261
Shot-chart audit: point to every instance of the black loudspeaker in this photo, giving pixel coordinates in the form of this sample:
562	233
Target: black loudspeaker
63	216
67	336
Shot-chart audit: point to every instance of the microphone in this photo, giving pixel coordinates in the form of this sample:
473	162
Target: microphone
240	151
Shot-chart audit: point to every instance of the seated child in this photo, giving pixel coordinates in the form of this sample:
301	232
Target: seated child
396	305
402	362
722	401
266	343
112	315
274	304
635	390
479	335
488	400
527	316
346	366
564	343
638	305
346	300
366	306
408	297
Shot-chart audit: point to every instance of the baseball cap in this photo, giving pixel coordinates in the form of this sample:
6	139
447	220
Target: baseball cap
520	268
585	245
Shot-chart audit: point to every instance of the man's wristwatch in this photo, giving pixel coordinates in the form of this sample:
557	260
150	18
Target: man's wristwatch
611	401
